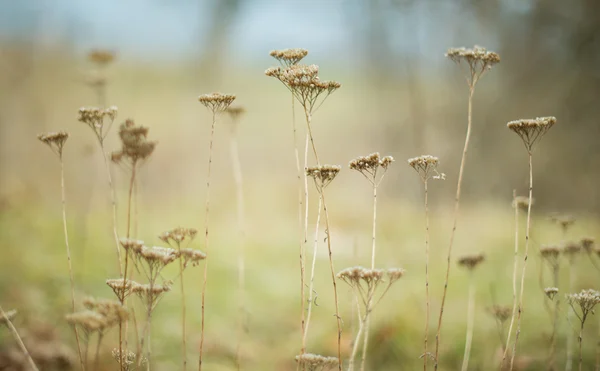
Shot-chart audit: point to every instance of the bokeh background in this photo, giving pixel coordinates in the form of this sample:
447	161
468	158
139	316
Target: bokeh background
400	96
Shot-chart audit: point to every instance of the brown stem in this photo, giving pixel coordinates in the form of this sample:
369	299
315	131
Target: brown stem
183	308
425	355
520	312
552	358
206	240
514	281
18	339
113	200
456	210
367	327
312	272
572	275
581	344
374	224
96	359
470	322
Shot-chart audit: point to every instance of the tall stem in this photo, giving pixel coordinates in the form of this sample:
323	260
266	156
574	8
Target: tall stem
183	308
367	327
96	358
514	280
303	248
456	210
470	323
361	325
520	312
552	357
312	271
206	240
113	201
18	339
581	344
425	355
374	224
66	233
572	273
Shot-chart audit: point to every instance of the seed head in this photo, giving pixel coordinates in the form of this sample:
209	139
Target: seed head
565	221
586	300
315	362
426	166
500	312
122	288
131	245
571	249
471	261
478	60
101	57
370	164
55	140
235	112
522	202
323	175
128	359
531	131
551	292
90	321
191	256
588	244
551	254
95	119
112	311
216	102
178	235
135	146
288	57
7	317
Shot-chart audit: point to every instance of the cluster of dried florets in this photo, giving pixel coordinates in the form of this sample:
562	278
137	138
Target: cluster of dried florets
150	294
500	312
178	235
101	57
216	102
370	164
586	300
588	243
235	112
121	287
531	130
289	57
426	167
522	202
323	175
471	261
135	144
55	140
7	316
478	58
355	277
565	221
551	254
128	360
92	320
315	362
94	118
551	292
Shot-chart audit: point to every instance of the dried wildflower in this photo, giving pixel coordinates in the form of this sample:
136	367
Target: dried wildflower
478	60
531	130
500	312
191	256
288	57
122	288
128	359
55	141
235	112
426	166
155	259
135	145
178	235
112	310
101	57
565	221
95	119
571	249
551	254
216	102
8	316
366	280
150	294
315	362
323	175
132	245
471	261
370	164
586	300
88	320
551	292
588	244
522	202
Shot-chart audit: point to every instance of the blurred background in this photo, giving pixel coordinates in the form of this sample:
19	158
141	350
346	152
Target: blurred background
400	96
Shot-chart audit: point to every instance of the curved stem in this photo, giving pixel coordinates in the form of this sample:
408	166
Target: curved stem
425	355
514	280
456	211
470	323
520	312
312	271
19	341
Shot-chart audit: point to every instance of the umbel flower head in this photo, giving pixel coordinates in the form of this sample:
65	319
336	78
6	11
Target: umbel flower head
571	249
531	131
216	102
235	112
55	141
135	146
323	174
478	60
366	281
565	221
315	362
551	254
471	261
370	164
288	57
178	235
551	292
587	243
586	300
426	167
94	118
128	360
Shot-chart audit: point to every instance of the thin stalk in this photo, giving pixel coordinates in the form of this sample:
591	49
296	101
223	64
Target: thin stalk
66	233
374	224
113	200
367	327
598	351
514	281
552	359
470	323
425	355
361	323
312	271
183	308
96	358
518	332
456	210
18	339
303	248
572	274
581	343
206	240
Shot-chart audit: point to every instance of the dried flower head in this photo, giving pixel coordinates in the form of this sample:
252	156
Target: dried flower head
551	292
370	164
500	312
531	130
216	102
426	167
315	362
88	320
323	175
288	57
131	245
551	254
101	57
588	244
7	317
471	261
478	60
571	249
135	146
155	259
122	288
112	311
55	141
365	281
178	235
565	221
128	359
150	294
235	112
95	119
586	300
522	202
191	256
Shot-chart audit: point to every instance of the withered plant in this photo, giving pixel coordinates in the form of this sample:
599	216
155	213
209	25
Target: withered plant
551	257
584	301
571	250
97	80
470	262
474	62
217	103
6	319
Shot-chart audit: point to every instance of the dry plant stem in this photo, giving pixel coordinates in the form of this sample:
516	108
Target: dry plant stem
425	355
96	359
66	233
18	339
572	275
183	326
522	289
312	272
581	346
237	175
598	351
552	358
514	281
374	223
206	240
367	326
113	201
358	336
470	323
456	210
